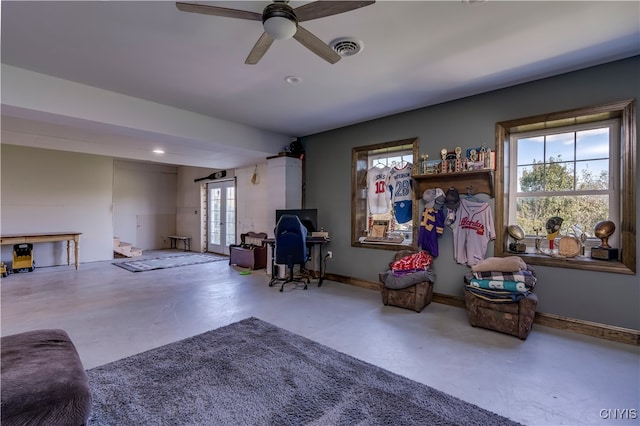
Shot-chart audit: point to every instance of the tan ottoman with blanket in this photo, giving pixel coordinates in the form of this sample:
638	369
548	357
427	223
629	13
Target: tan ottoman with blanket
499	295
510	318
43	381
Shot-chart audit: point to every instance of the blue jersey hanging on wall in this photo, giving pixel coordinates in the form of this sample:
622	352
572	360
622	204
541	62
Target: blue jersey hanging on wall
401	189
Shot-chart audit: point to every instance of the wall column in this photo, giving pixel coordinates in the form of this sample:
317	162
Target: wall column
285	183
284	190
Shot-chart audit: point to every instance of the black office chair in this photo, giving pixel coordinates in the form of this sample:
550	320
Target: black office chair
291	248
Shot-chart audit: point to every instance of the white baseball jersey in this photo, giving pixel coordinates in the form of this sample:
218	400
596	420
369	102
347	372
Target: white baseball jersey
378	195
472	232
400	186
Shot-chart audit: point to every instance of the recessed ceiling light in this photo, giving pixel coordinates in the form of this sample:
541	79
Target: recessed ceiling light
292	79
158	151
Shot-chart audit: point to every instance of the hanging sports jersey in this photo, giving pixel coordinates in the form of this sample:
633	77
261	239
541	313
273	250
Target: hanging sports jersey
378	195
431	227
472	232
400	186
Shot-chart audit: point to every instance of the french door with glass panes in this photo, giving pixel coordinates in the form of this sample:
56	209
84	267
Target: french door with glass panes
221	216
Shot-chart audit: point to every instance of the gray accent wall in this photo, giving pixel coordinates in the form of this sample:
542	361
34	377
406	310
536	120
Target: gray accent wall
606	298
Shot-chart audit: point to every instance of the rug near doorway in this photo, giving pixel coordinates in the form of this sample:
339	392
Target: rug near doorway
254	373
141	265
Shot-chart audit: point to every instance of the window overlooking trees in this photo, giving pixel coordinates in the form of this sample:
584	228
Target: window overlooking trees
568	172
579	165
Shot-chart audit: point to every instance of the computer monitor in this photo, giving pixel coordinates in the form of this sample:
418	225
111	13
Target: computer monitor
308	217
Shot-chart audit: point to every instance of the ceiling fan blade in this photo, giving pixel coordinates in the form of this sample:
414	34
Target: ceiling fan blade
316	45
320	9
262	45
218	11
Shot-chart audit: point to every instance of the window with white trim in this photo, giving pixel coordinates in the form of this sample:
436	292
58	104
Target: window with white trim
569	172
557	164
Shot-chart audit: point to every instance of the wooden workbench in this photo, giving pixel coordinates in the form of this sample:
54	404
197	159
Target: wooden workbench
46	237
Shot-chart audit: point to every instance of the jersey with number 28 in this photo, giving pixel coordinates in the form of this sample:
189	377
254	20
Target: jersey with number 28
399	182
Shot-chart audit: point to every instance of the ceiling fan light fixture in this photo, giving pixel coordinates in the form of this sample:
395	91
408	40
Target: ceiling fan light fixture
280	28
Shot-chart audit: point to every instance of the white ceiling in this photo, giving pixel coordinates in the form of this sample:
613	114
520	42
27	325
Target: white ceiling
416	54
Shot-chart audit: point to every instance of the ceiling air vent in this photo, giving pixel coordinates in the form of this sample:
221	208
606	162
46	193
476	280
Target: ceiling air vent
346	46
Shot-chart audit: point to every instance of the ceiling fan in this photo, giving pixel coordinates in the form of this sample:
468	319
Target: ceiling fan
280	22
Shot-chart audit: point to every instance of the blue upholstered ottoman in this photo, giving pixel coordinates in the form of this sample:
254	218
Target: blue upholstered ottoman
43	381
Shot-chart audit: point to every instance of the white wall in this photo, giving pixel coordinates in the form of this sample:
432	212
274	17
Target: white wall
190	217
141	203
253	200
53	191
253	213
144	203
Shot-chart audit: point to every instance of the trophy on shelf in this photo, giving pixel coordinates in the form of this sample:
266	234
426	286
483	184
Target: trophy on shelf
538	238
517	233
580	235
603	230
424	164
445	163
553	229
458	164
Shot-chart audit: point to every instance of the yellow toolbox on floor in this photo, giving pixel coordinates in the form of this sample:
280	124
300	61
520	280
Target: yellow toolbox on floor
3	270
23	258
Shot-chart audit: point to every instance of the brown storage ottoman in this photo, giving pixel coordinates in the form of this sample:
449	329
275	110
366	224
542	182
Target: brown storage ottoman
415	297
511	318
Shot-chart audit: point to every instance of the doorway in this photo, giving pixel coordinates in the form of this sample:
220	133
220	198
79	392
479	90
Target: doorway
221	216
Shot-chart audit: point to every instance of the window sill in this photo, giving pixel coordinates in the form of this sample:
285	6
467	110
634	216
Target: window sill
583	263
383	246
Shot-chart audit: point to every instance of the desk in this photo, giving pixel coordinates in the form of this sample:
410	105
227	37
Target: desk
311	241
46	238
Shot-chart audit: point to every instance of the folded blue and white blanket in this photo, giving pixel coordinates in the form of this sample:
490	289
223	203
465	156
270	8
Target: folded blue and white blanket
496	296
513	286
524	276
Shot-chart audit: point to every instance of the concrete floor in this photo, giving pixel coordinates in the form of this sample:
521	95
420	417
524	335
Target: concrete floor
553	378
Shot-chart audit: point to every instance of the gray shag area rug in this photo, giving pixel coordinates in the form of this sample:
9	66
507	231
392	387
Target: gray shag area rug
164	262
254	373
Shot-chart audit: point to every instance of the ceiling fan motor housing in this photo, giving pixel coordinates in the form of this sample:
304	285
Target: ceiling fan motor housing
279	10
279	21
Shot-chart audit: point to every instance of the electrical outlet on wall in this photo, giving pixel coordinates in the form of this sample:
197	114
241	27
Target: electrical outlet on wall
330	254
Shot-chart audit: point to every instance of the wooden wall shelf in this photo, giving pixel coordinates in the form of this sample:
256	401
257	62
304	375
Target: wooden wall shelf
480	181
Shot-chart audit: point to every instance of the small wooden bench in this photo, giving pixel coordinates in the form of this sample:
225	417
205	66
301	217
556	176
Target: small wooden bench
186	241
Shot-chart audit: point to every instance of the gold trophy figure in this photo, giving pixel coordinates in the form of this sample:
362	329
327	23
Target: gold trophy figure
445	163
517	233
604	251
